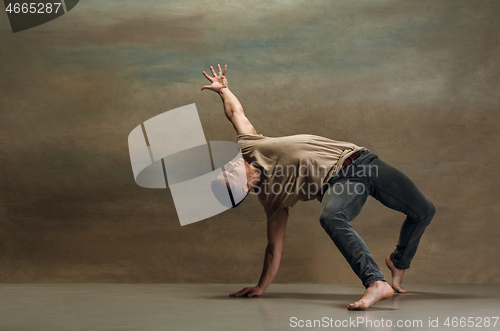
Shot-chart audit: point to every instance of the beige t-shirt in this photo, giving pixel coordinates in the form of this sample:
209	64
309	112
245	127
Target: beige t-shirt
293	168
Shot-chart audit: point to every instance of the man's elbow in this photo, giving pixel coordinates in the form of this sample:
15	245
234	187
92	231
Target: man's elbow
275	249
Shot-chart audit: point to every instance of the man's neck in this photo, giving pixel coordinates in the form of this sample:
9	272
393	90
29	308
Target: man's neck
255	174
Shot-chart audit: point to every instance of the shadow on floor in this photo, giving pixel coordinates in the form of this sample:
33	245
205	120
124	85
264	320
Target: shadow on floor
414	295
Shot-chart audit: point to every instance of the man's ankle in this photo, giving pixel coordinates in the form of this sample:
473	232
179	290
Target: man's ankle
376	282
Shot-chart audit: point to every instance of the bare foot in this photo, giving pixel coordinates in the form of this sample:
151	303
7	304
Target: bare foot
376	291
397	276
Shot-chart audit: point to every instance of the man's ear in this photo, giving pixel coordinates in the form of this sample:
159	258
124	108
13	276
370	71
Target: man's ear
246	188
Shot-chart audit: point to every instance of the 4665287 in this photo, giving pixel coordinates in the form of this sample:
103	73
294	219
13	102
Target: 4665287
33	8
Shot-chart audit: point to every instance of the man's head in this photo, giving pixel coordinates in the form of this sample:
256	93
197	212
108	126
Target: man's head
238	178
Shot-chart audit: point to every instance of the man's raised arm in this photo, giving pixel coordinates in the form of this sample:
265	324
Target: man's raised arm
232	106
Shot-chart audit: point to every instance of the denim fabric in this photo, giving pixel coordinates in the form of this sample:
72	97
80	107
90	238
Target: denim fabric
345	195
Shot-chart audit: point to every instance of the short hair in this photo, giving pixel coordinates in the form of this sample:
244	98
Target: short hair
221	188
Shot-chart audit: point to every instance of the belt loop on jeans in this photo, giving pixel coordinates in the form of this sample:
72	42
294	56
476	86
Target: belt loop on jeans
351	158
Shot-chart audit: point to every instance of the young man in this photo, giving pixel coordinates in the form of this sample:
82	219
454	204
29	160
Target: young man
284	170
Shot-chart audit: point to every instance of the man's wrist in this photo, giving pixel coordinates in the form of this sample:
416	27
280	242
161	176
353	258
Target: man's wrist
223	90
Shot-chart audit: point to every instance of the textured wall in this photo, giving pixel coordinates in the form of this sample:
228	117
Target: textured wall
415	82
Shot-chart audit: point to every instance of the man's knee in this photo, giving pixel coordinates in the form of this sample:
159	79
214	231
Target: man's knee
428	212
332	220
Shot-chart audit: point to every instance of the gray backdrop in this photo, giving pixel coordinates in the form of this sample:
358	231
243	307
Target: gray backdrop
415	82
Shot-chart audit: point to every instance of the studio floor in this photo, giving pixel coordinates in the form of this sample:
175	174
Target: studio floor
208	307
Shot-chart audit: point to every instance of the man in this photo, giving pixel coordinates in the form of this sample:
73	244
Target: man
284	170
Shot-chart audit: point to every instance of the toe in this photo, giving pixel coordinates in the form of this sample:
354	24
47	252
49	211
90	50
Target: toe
354	305
399	289
358	305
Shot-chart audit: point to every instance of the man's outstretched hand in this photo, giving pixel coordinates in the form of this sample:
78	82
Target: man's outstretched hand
218	81
248	292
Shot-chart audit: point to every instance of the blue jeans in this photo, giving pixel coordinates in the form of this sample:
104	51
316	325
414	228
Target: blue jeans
346	193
